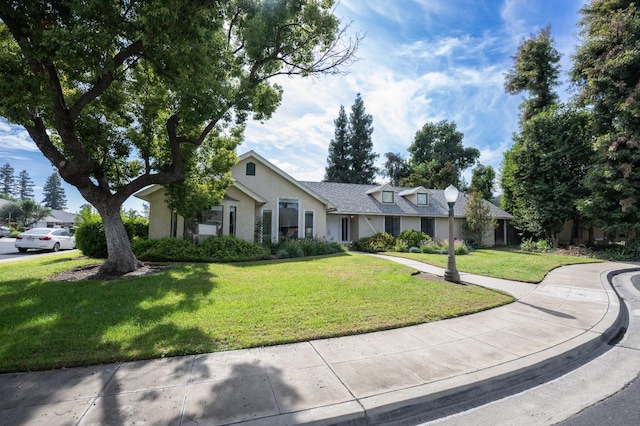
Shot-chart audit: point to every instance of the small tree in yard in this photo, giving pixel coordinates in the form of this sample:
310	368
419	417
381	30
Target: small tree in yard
122	95
478	216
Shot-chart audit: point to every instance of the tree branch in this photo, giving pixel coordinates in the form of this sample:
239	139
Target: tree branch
104	81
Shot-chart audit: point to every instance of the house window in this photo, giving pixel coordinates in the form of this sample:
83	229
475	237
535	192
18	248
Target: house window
232	220
288	219
251	169
344	229
392	225
423	199
210	221
267	219
387	197
308	224
427	225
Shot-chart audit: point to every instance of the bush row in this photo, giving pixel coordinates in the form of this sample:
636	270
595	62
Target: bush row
407	241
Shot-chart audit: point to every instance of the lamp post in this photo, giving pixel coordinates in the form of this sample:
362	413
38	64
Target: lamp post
451	273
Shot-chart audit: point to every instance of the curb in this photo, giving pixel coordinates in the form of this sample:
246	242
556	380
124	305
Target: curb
439	399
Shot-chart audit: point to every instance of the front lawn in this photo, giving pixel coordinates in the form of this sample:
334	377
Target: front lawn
502	263
197	308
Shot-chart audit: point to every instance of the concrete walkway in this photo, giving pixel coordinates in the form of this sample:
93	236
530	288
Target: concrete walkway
396	376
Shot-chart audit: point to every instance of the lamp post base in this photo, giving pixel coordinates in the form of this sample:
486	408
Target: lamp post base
453	277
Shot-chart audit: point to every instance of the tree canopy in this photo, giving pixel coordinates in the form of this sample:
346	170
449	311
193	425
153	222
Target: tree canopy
7	180
122	95
536	69
606	69
438	157
483	180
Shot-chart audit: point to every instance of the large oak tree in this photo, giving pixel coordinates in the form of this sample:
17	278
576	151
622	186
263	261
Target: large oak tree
119	95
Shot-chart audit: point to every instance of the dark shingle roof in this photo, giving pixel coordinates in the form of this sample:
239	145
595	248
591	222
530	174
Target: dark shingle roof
353	199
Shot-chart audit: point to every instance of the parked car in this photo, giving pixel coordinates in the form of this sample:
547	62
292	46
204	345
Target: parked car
4	231
45	238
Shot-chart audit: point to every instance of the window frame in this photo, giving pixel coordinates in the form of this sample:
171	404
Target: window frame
426	198
308	234
387	193
250	168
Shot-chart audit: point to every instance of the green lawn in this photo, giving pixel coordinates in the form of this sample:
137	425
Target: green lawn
502	263
196	308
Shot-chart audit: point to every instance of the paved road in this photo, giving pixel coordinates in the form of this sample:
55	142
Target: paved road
622	407
9	252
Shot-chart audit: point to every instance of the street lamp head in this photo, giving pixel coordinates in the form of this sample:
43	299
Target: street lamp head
451	194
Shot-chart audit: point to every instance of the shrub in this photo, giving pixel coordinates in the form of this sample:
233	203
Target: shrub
300	247
166	250
231	249
90	239
414	250
412	238
376	243
218	249
431	247
530	245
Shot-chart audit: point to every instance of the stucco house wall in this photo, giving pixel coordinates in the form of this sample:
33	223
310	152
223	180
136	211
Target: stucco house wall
341	212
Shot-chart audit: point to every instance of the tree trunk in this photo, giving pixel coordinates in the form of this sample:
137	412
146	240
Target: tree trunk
121	259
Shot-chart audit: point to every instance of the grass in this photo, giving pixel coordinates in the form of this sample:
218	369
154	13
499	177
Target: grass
502	263
197	308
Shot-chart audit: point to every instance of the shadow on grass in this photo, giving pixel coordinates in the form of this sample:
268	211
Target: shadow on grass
63	324
289	260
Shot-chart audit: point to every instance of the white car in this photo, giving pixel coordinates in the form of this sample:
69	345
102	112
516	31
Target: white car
45	238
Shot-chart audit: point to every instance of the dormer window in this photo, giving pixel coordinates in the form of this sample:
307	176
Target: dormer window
422	199
251	169
387	197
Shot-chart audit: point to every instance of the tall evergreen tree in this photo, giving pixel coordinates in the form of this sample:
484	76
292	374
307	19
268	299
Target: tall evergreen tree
7	180
536	70
543	173
351	157
339	160
54	196
363	170
606	68
25	186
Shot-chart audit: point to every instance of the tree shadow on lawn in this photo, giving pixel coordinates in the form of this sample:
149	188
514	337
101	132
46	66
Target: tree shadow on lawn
62	324
289	260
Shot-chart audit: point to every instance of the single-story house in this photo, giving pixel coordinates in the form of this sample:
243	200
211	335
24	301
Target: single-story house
266	203
57	219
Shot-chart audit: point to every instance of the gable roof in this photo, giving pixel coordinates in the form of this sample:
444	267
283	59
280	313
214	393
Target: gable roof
59	216
146	192
355	199
252	154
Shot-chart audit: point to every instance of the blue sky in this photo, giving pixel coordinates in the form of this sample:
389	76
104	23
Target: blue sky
421	61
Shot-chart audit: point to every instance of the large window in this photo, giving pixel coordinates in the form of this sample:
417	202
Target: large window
427	225
267	220
308	224
210	221
392	225
288	219
387	197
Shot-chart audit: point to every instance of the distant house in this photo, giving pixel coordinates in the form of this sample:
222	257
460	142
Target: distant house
267	202
57	219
